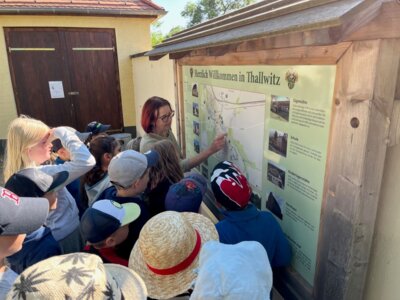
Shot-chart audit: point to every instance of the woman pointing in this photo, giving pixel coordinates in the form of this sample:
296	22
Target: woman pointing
156	121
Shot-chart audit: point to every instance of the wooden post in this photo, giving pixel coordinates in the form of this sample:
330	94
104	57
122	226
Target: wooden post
394	133
180	107
365	88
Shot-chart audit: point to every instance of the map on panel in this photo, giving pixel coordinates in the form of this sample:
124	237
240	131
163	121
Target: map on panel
241	115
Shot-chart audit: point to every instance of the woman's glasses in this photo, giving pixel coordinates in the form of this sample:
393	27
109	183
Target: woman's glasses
165	118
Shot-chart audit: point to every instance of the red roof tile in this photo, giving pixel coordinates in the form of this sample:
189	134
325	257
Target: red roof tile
101	7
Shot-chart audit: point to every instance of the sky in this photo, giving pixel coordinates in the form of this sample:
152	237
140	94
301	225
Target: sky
173	17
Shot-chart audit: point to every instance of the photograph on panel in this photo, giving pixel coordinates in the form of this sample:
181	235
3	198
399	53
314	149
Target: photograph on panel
275	204
195	92
195	109
280	106
276	174
196	145
196	128
278	142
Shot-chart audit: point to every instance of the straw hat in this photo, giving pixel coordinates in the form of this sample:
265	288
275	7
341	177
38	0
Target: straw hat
77	276
167	251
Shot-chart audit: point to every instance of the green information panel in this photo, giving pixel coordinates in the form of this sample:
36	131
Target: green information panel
277	119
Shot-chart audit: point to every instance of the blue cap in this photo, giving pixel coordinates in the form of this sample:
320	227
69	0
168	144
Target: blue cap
105	217
32	182
187	194
96	127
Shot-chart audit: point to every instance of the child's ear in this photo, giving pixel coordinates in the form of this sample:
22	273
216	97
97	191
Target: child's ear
107	157
110	242
136	183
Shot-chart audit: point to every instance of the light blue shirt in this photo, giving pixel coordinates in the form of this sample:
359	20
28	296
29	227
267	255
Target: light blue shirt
7	279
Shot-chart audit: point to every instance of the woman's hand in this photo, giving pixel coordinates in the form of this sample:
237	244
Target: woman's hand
218	143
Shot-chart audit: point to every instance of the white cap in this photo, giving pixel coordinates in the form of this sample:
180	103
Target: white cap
128	166
235	272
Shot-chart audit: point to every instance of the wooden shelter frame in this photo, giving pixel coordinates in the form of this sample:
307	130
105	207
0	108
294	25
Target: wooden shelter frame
364	44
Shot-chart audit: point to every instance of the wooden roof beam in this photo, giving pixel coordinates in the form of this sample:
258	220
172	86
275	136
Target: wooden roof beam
316	55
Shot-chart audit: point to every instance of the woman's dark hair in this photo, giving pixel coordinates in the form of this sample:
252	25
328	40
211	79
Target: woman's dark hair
150	112
100	145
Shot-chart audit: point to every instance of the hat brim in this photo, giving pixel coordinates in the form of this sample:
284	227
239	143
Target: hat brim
130	283
152	158
83	136
31	215
168	286
58	181
102	128
132	212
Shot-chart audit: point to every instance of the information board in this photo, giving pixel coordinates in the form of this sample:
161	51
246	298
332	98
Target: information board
277	120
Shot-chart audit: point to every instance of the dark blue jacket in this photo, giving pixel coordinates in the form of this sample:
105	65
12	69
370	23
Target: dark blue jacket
124	249
36	247
251	224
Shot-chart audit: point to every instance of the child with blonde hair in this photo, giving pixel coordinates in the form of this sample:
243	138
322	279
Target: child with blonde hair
25	136
29	145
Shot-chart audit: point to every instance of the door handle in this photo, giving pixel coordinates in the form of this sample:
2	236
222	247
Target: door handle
73	93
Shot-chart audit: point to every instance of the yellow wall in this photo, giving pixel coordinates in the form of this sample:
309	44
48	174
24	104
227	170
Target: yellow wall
154	78
132	34
384	268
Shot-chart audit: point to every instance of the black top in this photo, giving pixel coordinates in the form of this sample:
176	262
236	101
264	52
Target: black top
156	197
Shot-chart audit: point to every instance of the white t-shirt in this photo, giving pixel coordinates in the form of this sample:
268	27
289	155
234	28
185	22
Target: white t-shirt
7	279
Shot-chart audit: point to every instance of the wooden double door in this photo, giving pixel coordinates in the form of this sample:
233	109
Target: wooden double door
65	76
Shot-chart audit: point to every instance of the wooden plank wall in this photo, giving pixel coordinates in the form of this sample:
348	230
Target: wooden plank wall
365	88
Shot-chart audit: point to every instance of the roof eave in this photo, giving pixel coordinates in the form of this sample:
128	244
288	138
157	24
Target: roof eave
196	44
320	17
80	12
